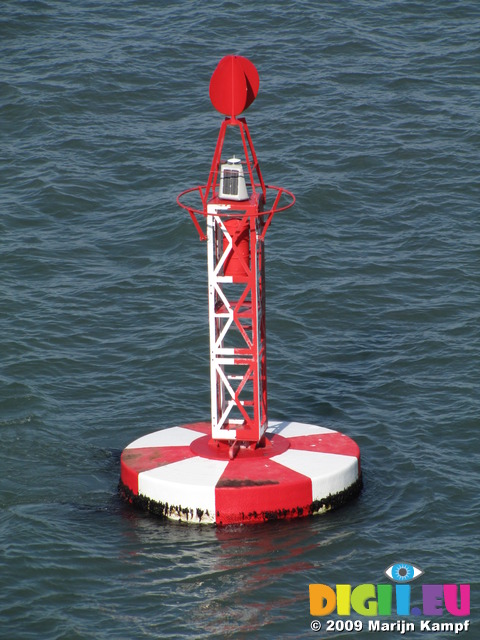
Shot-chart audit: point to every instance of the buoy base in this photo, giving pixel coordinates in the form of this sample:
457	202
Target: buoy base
182	474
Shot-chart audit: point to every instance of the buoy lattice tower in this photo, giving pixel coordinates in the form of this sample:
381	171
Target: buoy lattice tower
234	206
238	467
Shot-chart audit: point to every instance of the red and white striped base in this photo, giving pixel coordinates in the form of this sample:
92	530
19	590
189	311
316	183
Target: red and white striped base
183	474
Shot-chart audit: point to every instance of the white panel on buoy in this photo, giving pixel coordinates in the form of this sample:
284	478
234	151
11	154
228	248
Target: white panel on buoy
175	436
330	472
292	429
187	484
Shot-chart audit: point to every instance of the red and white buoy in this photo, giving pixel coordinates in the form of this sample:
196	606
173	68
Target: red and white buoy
239	467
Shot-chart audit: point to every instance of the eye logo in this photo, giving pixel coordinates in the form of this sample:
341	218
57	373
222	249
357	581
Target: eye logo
403	572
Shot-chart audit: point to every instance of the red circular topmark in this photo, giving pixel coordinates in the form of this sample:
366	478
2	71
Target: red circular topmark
234	85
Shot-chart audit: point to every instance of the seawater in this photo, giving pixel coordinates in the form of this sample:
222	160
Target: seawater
369	112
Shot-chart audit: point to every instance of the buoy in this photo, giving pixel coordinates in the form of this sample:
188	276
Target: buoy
183	474
239	467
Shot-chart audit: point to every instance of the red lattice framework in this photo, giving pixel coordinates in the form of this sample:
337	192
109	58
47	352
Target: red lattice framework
235	233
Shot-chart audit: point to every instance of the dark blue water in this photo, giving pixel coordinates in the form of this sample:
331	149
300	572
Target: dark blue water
369	112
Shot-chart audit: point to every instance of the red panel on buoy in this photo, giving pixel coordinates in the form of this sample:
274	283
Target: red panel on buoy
234	85
259	490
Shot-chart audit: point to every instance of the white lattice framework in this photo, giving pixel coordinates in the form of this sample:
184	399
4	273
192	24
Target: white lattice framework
237	323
